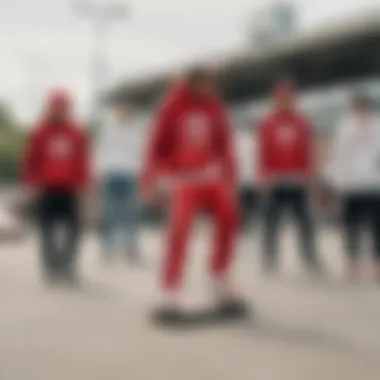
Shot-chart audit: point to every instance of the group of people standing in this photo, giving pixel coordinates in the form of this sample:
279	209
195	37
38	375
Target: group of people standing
189	160
60	172
291	167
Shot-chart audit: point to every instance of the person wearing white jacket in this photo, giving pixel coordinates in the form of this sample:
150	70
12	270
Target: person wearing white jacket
118	150
354	172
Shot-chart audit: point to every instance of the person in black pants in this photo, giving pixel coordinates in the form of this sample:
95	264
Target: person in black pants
293	199
58	213
286	173
354	172
55	171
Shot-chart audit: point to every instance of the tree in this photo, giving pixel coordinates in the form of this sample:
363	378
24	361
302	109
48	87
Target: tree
11	142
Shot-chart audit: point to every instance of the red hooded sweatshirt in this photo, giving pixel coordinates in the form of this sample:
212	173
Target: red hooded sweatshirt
190	134
56	155
285	147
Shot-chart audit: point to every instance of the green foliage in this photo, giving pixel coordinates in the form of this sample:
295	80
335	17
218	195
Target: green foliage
11	143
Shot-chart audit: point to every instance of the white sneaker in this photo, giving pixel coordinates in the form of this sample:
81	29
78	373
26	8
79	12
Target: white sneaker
223	289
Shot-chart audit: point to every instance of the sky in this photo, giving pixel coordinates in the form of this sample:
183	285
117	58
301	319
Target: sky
48	43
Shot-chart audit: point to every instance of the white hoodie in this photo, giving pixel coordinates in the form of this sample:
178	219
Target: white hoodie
355	162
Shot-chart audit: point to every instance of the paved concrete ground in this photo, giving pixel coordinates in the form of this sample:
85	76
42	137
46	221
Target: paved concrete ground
303	329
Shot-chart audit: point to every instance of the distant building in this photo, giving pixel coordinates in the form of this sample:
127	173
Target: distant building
332	56
273	23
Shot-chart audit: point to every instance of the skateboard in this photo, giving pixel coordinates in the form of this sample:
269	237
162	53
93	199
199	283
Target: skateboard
221	315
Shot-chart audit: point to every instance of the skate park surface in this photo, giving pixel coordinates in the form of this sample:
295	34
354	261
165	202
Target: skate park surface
301	328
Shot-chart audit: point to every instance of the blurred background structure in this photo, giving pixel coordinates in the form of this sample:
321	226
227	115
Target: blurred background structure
328	64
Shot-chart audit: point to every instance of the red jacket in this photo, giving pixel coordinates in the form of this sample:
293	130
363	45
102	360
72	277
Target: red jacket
56	157
189	134
285	146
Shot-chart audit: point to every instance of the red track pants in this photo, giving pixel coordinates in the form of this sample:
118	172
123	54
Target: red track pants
187	200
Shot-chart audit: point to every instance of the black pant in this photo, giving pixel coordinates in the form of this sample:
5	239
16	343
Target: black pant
295	199
58	209
248	200
361	210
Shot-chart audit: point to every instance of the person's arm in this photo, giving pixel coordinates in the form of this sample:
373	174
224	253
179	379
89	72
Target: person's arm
261	156
228	150
312	162
83	162
313	157
157	150
98	153
336	166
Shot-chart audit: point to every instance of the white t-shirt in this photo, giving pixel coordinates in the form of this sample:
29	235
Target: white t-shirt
118	149
355	161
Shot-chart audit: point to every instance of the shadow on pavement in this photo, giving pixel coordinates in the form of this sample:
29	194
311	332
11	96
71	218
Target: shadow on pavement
277	332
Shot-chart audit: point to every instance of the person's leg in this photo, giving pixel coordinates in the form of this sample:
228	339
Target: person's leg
131	218
47	218
298	201
247	205
70	218
352	215
184	203
107	218
183	207
375	230
273	204
224	211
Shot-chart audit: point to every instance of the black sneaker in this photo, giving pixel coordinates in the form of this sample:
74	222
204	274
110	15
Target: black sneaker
233	308
315	269
50	278
70	278
167	316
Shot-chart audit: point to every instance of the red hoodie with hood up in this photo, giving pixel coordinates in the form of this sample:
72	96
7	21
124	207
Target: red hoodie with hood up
56	155
286	147
190	134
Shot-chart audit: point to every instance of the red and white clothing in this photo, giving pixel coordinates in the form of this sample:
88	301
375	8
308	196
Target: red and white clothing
285	148
56	157
191	149
190	135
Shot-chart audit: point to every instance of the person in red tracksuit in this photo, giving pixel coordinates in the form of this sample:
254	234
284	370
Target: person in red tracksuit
286	173
56	169
191	155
